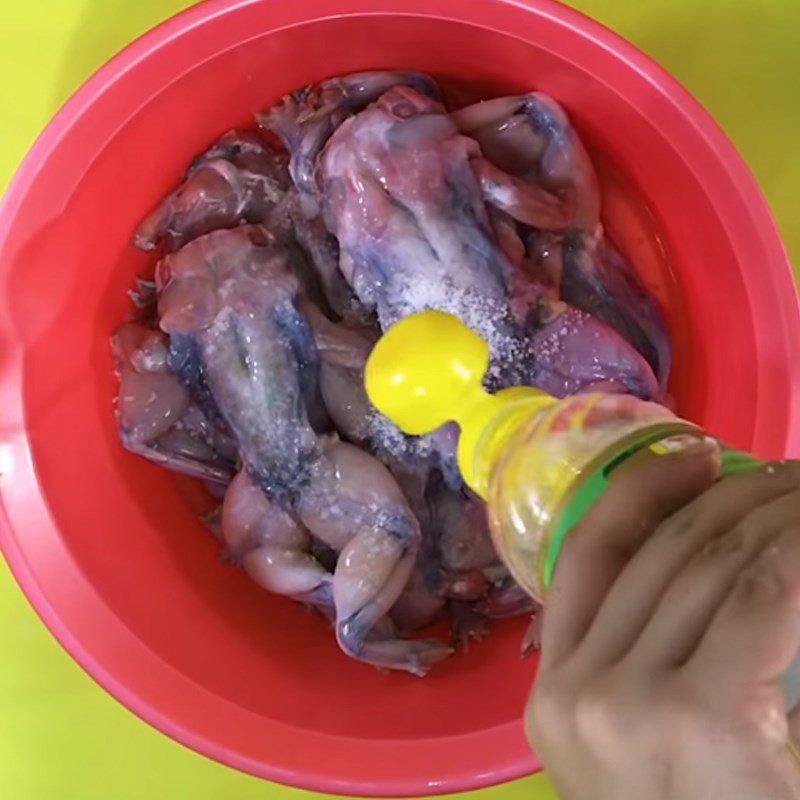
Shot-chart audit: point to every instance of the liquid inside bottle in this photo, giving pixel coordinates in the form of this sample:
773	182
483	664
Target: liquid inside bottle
539	462
555	465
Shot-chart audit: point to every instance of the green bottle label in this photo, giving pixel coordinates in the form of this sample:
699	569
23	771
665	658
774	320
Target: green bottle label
732	463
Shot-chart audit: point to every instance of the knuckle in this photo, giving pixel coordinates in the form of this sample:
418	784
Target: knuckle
677	715
682	710
788	472
682	523
547	701
768	581
545	713
756	584
598	716
727	544
758	717
739	545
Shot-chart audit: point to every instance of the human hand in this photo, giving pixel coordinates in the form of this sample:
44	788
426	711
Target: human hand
673	612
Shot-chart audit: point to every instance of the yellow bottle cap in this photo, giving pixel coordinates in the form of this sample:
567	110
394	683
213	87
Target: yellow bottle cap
427	370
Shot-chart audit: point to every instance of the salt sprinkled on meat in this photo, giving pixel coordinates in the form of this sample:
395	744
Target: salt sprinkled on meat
487	316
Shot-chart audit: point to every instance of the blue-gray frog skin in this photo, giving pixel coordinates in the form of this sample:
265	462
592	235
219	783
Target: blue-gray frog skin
598	279
234	293
531	137
278	272
456	564
402	192
242	179
159	418
238	179
305	119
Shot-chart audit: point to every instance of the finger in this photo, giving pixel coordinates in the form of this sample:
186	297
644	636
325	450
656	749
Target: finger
641	493
755	635
794	716
694	596
638	591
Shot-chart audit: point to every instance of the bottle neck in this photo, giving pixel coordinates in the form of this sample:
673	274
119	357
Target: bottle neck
513	408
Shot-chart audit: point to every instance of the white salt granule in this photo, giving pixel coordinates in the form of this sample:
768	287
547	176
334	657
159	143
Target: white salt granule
488	316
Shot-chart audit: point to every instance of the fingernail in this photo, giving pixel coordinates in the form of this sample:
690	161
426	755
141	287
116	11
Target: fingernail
684	442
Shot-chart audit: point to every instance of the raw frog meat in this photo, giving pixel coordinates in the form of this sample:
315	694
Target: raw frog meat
277	271
402	191
233	293
531	138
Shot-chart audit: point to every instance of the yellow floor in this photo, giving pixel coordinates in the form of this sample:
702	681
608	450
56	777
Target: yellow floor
62	738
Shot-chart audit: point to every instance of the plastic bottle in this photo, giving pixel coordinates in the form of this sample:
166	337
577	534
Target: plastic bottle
539	462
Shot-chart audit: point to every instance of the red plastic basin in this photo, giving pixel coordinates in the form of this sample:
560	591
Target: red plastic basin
108	548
